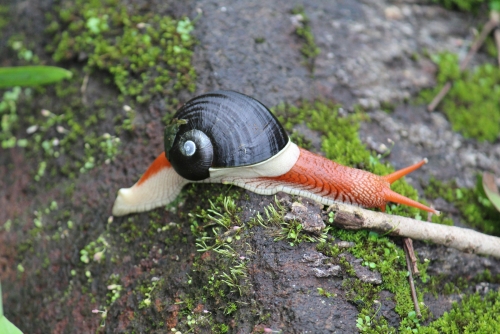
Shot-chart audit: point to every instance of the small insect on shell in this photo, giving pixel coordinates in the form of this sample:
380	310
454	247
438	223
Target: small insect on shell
227	137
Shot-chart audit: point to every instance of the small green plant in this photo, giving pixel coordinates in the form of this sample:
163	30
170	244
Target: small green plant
95	250
114	288
9	117
323	292
147	291
364	323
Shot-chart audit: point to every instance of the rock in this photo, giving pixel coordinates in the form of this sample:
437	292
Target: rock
331	270
309	217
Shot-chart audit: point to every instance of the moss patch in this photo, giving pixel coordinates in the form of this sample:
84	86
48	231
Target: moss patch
309	48
475	208
474	314
464	5
4	19
473	103
147	55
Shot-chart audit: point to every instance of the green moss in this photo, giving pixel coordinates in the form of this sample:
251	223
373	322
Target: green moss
473	103
309	48
463	5
9	117
4	18
147	55
475	208
474	314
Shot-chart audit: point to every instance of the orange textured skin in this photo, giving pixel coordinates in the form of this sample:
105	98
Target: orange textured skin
326	178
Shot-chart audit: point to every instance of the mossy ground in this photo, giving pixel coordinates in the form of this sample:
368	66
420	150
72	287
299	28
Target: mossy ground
309	48
162	269
472	104
475	208
474	314
464	5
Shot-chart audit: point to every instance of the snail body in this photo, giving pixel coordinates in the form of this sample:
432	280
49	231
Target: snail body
227	137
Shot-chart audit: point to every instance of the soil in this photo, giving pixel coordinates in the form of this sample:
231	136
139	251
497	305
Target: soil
367	58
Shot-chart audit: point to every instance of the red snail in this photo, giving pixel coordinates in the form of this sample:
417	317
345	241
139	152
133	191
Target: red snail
230	138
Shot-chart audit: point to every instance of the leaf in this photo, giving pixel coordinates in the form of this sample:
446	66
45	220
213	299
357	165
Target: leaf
491	190
6	327
31	75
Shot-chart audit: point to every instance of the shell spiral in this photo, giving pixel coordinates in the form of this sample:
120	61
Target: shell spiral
222	129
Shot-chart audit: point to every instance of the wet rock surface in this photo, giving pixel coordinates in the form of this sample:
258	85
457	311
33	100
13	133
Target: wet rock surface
366	58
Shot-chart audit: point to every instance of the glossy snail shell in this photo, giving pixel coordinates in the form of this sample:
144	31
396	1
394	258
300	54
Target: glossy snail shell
221	129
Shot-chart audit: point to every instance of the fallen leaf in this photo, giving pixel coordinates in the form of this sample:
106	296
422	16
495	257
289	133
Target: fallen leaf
491	189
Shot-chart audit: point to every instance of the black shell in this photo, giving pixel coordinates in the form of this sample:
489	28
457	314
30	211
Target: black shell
241	130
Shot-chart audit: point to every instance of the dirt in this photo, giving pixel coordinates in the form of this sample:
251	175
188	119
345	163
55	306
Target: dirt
366	58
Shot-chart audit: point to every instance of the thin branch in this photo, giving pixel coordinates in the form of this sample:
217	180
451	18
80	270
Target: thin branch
83	88
497	42
408	246
437	99
488	27
411	255
469	241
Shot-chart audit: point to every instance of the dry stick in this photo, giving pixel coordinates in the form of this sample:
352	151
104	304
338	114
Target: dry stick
83	88
488	27
469	241
497	42
411	253
409	250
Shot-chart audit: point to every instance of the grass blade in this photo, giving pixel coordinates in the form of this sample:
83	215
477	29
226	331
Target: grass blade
31	75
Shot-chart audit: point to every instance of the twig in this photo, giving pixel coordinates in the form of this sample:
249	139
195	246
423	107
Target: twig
497	42
83	88
411	253
464	239
408	246
488	27
442	93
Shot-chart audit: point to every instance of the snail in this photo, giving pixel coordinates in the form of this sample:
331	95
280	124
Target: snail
230	138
